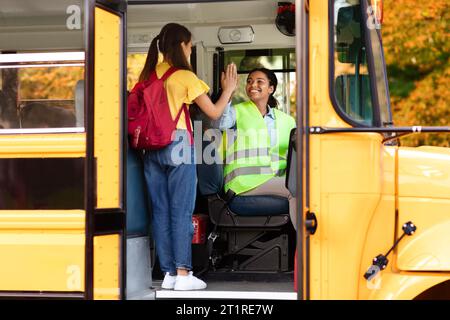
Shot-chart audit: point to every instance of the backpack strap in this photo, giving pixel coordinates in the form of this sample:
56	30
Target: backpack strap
184	108
187	117
153	76
168	73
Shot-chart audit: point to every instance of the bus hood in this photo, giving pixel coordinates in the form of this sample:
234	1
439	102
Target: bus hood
424	172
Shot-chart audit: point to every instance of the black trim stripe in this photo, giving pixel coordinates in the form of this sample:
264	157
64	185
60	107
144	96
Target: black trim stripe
90	162
305	175
302	49
109	221
113	6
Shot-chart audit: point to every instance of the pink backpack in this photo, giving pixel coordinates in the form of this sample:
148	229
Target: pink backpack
150	124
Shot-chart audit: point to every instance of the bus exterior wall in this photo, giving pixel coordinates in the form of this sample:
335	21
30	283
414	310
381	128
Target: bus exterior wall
424	199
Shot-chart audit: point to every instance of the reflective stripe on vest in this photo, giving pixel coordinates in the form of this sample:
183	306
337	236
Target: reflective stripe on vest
252	170
247	153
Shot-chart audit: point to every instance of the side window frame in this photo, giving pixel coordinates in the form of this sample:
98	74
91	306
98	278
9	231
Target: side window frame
372	74
370	65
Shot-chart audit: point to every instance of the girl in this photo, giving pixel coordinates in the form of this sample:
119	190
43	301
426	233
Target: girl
172	183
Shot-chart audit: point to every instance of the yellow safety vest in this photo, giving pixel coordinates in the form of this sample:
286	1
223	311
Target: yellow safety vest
249	159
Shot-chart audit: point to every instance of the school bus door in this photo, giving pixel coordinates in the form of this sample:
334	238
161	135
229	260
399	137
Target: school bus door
348	91
105	197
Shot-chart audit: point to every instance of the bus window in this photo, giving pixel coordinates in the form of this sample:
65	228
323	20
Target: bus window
41	65
42	90
282	61
135	63
351	77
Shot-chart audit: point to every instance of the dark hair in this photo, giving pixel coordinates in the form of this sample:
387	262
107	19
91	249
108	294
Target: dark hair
273	81
168	42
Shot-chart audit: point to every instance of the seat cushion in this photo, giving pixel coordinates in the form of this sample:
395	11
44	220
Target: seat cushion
259	205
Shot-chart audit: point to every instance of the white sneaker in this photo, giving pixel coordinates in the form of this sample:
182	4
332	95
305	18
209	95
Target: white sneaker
169	281
189	282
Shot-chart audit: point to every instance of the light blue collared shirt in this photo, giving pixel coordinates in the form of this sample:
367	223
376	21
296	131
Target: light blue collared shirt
228	120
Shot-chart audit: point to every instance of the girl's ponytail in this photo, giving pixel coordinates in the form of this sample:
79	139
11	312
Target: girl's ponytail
151	61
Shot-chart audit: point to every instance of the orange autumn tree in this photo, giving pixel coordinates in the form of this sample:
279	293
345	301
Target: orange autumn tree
49	82
417	48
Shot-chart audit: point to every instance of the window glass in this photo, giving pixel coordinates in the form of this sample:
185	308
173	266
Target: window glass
41	64
362	96
281	61
41	183
351	76
42	90
380	71
135	63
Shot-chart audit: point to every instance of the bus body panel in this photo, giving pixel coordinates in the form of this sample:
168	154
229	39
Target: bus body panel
424	166
428	248
107	267
42	250
107	135
424	199
49	145
345	192
108	248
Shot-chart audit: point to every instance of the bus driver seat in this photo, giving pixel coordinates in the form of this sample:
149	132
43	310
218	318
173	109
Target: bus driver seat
253	231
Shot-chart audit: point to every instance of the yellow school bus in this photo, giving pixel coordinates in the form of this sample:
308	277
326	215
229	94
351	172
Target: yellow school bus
372	216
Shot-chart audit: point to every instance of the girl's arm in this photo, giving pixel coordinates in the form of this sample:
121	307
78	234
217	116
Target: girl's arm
229	83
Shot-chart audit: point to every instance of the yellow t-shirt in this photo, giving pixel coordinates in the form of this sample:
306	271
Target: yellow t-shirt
183	86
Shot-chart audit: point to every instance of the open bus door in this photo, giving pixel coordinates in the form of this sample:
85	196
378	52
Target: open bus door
348	89
62	205
105	151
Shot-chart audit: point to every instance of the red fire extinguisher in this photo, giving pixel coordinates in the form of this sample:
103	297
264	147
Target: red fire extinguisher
200	223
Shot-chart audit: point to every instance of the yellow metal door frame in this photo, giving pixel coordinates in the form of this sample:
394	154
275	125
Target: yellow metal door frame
105	127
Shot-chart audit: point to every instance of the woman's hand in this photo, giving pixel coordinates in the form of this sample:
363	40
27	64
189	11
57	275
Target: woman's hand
229	79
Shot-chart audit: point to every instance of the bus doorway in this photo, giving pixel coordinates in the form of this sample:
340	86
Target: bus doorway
253	255
61	150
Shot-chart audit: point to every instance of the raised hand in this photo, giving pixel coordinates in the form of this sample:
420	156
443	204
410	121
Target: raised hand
229	79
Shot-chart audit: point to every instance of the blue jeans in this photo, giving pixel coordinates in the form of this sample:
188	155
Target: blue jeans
171	178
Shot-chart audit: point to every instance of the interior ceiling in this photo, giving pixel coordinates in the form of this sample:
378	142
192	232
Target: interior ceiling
231	12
